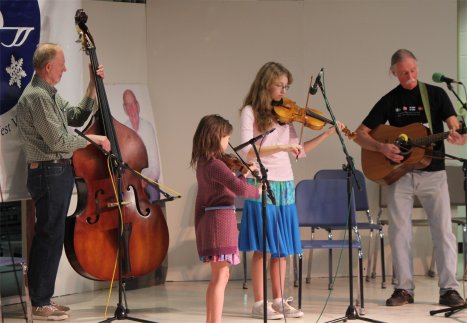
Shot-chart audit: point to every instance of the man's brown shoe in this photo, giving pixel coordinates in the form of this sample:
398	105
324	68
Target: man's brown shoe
451	298
48	313
59	307
399	297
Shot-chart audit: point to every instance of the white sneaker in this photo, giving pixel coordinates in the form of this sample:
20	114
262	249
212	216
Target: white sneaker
258	312
286	309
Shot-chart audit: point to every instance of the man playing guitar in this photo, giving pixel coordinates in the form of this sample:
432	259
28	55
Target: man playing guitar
408	103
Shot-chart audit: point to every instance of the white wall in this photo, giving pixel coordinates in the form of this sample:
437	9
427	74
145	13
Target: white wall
199	57
203	55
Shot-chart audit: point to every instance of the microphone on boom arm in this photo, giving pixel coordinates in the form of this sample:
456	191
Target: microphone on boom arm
314	88
440	78
253	140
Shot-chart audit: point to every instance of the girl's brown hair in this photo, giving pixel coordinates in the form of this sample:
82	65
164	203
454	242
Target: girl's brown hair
207	138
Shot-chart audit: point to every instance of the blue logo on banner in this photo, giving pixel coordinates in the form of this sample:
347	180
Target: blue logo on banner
20	23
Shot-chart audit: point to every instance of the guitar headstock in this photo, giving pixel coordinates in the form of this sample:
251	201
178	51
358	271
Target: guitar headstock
85	36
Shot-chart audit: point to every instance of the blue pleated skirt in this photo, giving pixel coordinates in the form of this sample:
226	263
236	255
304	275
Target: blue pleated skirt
282	231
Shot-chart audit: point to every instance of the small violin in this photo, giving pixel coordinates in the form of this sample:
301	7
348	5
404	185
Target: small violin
234	163
288	111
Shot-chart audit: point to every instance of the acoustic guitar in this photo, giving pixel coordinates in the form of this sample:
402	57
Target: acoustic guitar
414	142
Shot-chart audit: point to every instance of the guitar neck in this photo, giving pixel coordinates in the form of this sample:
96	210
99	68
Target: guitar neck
423	141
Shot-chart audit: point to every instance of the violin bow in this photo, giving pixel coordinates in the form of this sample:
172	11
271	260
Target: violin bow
303	123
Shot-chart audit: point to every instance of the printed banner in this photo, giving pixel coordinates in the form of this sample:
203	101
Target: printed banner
23	24
130	104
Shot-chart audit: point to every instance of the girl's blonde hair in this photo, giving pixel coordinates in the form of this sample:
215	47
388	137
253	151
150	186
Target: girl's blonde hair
259	97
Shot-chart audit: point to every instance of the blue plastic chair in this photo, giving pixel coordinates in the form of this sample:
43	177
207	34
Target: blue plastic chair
361	204
324	204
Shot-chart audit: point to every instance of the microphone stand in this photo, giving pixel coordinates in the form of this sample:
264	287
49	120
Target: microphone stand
451	310
463	104
265	189
119	166
351	313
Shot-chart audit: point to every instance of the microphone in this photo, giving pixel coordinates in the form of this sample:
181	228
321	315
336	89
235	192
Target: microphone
314	88
404	144
253	140
440	78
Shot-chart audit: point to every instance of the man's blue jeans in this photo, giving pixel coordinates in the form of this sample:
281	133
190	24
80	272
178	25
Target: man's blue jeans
50	186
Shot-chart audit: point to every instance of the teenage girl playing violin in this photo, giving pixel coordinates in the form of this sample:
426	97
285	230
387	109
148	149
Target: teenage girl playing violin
215	220
257	116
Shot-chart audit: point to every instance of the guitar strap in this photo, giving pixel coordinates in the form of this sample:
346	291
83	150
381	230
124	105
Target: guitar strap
426	103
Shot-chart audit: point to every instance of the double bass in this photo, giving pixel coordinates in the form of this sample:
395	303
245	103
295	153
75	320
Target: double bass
113	217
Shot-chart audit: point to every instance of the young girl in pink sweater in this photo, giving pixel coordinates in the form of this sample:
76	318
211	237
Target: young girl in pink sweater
215	220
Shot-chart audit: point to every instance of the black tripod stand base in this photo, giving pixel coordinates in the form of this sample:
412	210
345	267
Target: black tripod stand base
449	311
122	314
352	314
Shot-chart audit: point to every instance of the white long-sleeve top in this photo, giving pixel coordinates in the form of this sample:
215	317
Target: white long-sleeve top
278	165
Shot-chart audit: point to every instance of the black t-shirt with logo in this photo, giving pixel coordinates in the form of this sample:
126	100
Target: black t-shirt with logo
401	107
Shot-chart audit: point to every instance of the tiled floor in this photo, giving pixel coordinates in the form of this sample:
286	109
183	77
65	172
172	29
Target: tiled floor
184	302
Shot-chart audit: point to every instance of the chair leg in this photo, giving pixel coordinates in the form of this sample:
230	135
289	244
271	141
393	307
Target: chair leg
330	285
26	293
375	255
310	259
464	249
295	275
300	256
431	271
383	265
1	314
245	285
360	276
369	260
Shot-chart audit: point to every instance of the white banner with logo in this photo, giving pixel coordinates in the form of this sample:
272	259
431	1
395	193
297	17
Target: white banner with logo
23	24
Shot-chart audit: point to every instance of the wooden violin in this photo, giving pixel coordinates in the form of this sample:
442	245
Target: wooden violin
288	111
234	163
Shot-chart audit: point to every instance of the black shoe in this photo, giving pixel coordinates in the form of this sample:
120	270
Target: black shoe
451	298
399	297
